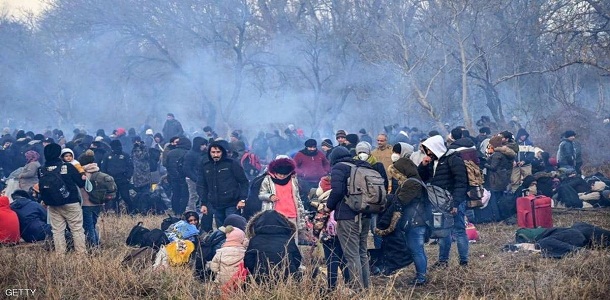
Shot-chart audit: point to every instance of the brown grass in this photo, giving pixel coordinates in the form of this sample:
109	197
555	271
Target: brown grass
491	274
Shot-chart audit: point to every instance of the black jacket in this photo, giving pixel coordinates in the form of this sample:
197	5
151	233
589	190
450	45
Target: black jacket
72	179
172	128
118	164
450	174
221	183
271	245
175	156
194	159
339	174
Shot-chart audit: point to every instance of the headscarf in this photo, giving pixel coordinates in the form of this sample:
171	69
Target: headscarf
31	156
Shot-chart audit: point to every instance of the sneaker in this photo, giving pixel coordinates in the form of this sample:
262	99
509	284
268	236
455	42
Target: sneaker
439	265
463	264
417	282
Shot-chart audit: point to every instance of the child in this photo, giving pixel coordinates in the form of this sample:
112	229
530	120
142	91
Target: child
67	155
230	256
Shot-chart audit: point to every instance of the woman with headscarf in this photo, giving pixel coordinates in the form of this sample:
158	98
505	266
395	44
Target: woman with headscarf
28	176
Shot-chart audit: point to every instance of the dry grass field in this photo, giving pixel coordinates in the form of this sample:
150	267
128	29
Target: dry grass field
491	274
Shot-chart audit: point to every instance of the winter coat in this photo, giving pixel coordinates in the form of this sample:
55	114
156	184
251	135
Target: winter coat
118	164
409	193
172	128
391	226
28	177
467	150
32	219
272	246
448	172
253	202
221	183
194	159
339	174
174	157
141	167
500	166
89	170
311	166
226	263
527	151
9	223
71	177
268	188
260	146
384	155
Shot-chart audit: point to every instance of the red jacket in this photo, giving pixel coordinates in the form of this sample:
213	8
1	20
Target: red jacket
311	168
9	223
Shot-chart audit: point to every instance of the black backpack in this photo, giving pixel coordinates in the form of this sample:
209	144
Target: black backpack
155	238
136	235
53	190
168	221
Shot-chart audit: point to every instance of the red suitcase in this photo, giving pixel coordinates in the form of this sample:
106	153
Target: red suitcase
534	211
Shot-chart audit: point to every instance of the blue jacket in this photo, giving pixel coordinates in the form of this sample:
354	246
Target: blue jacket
32	219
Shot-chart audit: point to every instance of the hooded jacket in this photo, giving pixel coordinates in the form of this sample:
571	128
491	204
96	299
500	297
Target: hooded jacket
176	165
117	163
272	244
466	149
32	219
448	171
172	128
9	223
70	176
500	166
566	154
221	183
527	151
339	174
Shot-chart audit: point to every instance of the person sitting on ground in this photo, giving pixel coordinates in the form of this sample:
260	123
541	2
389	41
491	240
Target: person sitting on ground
227	259
9	223
272	253
32	217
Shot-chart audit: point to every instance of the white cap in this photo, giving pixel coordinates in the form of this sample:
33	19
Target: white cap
99	138
149	131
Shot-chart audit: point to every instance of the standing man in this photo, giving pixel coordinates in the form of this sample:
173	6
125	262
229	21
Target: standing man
383	152
118	164
222	184
176	175
193	160
62	199
447	170
172	127
311	166
352	227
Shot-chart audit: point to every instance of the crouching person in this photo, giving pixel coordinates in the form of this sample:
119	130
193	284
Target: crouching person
272	252
32	217
228	263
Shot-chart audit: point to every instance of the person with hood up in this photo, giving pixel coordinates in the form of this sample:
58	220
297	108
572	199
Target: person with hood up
499	166
32	217
445	169
279	191
118	164
464	145
272	252
172	127
9	223
311	165
193	160
227	259
414	213
352	227
222	183
66	211
27	177
176	175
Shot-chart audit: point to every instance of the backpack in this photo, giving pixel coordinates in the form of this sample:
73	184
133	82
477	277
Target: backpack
168	222
136	235
251	164
365	190
139	258
441	200
475	183
53	189
104	188
154	238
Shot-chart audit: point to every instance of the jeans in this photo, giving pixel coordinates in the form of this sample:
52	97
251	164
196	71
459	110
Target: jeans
459	233
333	256
415	237
352	235
90	215
220	214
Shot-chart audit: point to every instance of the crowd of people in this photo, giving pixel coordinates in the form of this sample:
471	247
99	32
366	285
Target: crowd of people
255	202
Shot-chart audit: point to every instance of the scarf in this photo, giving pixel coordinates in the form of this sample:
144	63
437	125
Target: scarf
280	181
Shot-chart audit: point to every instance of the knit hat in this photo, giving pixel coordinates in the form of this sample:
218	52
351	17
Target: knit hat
363	147
340	133
235	221
569	133
120	131
495	141
86	158
338	153
116	146
311	143
52	151
234	237
352	138
362	131
328	143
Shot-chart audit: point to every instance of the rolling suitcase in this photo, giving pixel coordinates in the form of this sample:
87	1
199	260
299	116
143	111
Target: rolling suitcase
534	211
